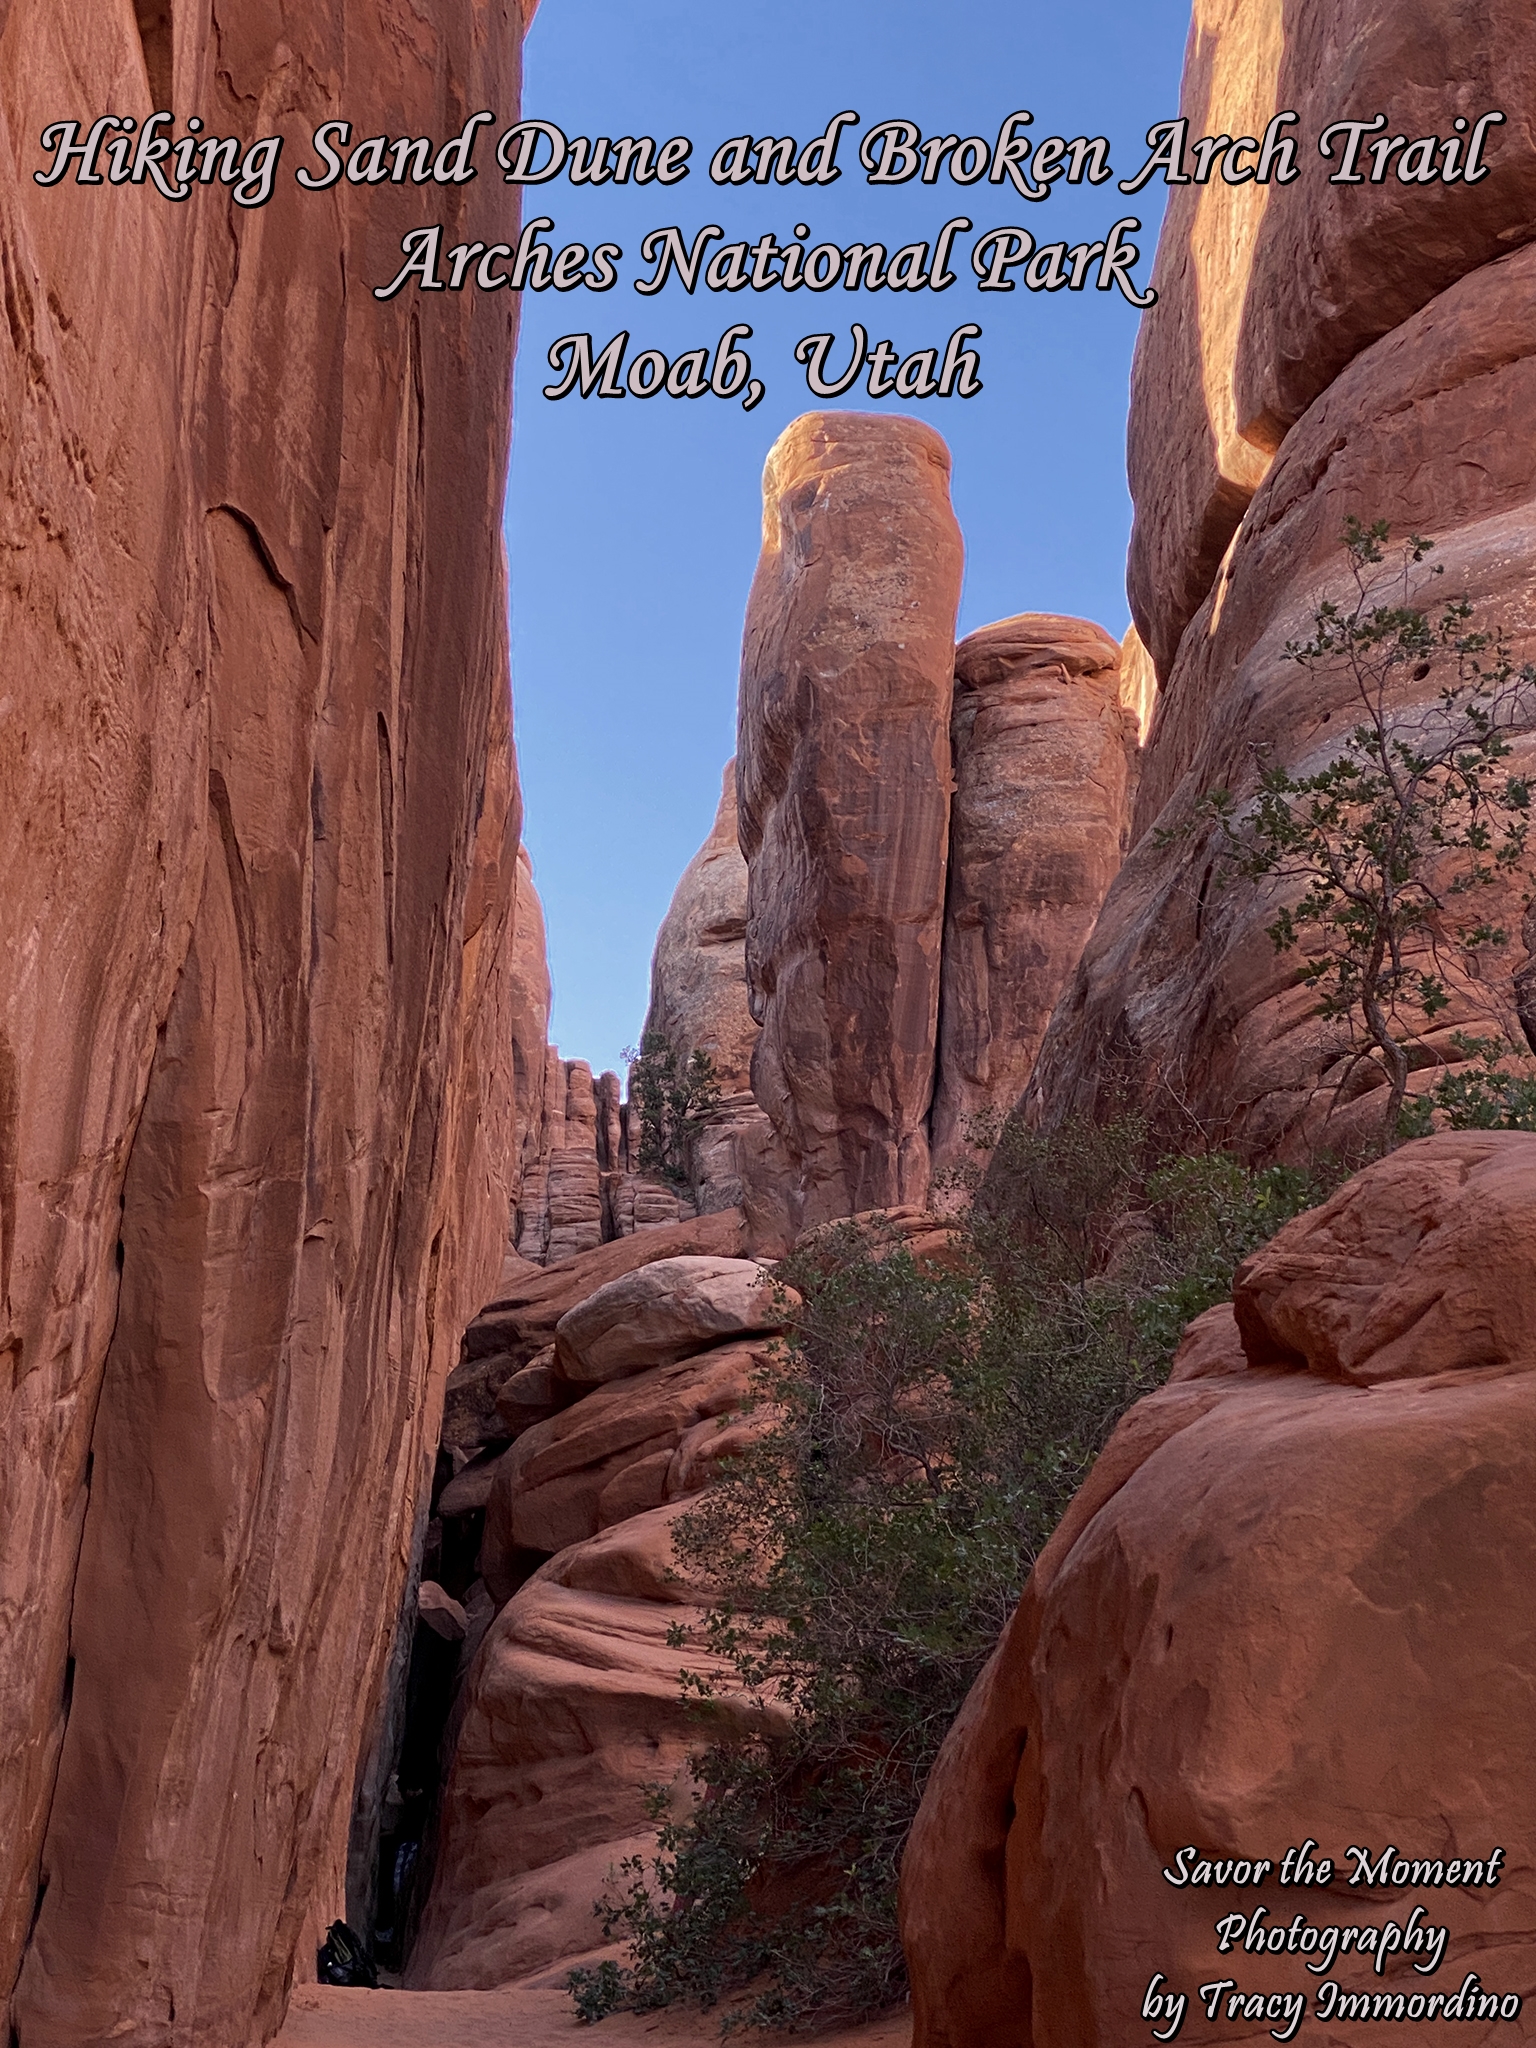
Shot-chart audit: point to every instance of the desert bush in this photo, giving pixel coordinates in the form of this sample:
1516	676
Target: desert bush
931	1424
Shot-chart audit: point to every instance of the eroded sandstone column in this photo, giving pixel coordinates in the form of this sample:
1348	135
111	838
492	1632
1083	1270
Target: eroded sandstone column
1044	775
843	775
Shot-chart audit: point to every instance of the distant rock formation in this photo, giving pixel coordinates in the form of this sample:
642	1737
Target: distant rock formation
599	1396
258	827
1290	1605
1044	772
699	971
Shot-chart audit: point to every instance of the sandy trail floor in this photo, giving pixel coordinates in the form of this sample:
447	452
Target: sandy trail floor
535	2014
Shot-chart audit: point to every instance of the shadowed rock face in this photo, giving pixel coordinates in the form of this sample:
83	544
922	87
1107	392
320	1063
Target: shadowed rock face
574	1708
258	824
843	779
1044	772
699	1004
1291	1602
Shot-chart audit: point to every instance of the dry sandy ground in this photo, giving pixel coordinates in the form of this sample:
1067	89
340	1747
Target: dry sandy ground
534	2014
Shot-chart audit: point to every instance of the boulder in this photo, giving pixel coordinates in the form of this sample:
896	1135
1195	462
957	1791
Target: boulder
1417	1268
843	776
531	1394
470	1417
663	1312
440	1612
1290	1605
469	1490
526	1313
575	1707
608	1457
1044	776
258	829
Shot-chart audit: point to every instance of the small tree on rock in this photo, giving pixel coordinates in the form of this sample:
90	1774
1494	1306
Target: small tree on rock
1398	837
673	1098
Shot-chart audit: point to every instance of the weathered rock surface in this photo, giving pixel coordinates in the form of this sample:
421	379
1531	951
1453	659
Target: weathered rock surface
504	1382
581	1184
843	780
611	1456
1421	1266
562	1210
699	1004
1335	267
575	1706
1267	293
530	1043
1044	774
1286	1605
254	1088
663	1312
1138	683
1180	993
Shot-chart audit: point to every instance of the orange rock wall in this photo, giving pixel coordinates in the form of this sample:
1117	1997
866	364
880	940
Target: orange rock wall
1045	772
258	821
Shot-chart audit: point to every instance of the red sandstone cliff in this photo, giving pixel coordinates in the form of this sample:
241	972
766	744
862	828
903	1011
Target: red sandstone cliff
258	822
1393	382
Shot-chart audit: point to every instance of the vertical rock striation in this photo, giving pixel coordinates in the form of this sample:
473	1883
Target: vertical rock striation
698	971
843	780
258	818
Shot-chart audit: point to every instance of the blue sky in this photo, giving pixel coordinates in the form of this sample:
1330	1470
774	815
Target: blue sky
632	525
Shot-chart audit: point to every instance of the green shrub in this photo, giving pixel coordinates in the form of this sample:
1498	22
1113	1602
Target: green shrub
674	1098
932	1423
1481	1095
